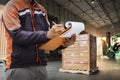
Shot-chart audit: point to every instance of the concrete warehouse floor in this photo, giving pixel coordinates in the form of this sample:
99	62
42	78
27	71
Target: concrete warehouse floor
109	70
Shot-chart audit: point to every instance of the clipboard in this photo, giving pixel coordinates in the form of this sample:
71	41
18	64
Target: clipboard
55	42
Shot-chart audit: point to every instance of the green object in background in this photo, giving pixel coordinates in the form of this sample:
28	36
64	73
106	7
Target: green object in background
117	54
114	50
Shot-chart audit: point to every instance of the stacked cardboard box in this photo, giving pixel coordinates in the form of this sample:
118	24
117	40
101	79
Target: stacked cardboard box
81	55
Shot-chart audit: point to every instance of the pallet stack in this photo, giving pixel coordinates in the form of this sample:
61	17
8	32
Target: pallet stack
80	57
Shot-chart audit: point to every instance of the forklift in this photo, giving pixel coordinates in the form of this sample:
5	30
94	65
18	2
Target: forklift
114	49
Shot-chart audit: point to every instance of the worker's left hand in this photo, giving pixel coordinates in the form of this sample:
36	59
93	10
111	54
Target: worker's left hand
69	41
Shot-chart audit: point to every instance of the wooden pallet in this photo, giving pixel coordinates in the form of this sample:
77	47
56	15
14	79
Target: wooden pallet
80	71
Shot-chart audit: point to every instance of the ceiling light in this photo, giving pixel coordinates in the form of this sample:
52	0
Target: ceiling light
92	1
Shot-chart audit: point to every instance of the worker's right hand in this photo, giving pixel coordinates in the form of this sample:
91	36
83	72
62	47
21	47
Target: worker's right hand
57	28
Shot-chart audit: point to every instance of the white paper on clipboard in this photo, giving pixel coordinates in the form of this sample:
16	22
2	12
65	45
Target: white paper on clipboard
76	28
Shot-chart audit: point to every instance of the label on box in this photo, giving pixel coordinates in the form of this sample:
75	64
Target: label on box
84	37
81	62
81	54
72	54
83	43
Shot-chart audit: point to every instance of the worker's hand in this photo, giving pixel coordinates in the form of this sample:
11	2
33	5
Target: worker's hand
69	41
57	28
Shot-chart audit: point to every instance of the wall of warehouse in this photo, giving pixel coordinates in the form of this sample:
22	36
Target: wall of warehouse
112	29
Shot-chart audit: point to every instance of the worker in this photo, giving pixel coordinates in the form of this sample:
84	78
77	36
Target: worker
27	27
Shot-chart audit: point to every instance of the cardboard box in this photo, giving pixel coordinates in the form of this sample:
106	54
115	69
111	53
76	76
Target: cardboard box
81	55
